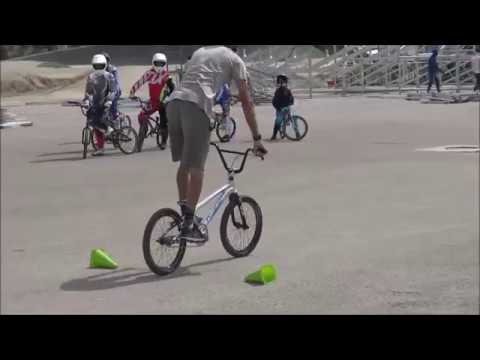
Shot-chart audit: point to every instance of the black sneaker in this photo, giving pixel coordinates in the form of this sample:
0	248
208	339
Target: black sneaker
191	233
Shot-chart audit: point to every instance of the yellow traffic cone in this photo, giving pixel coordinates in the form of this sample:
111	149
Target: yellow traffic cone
99	259
265	275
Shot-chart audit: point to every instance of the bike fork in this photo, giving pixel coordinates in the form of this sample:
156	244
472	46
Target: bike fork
235	198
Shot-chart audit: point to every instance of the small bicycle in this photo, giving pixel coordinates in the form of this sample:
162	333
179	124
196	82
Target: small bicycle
225	126
124	137
151	127
240	228
293	127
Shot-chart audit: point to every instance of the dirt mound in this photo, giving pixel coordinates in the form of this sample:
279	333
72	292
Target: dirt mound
29	83
24	77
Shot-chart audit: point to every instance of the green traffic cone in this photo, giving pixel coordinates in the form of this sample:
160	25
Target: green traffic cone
265	275
101	260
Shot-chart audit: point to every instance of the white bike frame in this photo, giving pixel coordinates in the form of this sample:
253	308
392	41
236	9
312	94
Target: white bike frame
220	196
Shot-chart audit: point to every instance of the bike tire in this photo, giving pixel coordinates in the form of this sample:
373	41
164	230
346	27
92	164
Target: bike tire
131	134
302	133
125	120
232	212
147	239
86	137
224	138
142	134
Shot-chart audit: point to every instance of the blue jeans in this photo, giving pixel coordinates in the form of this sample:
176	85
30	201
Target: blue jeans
280	116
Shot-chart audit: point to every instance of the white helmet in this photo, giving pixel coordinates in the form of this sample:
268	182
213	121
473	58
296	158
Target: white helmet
159	61
99	62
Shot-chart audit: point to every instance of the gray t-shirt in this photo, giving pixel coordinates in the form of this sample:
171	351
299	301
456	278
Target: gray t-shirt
209	69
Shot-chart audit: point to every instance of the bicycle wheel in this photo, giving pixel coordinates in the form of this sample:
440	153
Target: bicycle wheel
163	249
127	140
295	128
226	130
125	120
142	134
86	137
241	226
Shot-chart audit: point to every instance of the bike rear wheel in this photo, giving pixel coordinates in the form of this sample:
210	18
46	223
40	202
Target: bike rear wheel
142	134
241	226
226	131
295	128
163	249
127	140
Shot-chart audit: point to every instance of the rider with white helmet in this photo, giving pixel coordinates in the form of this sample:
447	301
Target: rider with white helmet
116	82
99	95
160	86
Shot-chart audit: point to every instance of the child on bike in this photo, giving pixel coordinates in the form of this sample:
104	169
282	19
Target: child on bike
282	101
99	96
160	86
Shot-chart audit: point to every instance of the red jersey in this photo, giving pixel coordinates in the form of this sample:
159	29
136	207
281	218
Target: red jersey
156	83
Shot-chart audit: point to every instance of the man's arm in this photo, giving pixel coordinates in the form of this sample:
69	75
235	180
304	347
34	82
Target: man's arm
248	108
88	90
111	90
291	100
140	82
117	89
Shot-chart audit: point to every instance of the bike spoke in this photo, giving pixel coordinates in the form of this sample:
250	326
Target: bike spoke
163	253
240	238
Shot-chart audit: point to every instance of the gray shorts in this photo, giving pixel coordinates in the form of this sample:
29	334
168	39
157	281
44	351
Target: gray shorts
189	129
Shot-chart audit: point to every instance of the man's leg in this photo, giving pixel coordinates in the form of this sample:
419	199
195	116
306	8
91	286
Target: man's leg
430	82
114	113
98	135
163	126
437	84
99	139
477	82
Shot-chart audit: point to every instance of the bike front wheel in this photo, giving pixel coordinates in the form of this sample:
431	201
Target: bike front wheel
241	226
163	249
295	128
226	129
127	140
86	139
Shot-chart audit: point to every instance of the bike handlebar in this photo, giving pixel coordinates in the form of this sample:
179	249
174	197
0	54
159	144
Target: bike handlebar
143	103
245	154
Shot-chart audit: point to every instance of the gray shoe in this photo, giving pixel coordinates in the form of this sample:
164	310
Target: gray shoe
99	152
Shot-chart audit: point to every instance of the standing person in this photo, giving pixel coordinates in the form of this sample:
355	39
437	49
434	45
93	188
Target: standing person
282	101
99	96
433	70
476	68
116	87
189	111
157	78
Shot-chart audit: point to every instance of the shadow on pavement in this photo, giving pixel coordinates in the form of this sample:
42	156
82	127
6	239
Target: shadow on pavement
125	277
77	158
71	143
61	153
